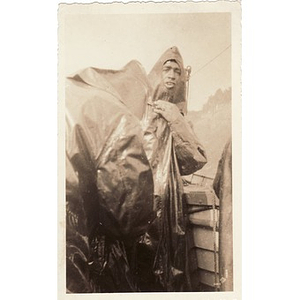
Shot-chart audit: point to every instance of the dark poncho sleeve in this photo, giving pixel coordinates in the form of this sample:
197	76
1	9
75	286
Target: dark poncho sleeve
190	154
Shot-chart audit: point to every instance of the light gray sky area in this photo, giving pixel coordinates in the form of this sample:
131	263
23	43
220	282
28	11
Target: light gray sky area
110	41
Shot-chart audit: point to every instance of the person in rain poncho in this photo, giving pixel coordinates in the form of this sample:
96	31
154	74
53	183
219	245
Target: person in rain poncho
172	150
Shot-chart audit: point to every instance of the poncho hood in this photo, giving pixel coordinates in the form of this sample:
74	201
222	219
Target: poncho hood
159	92
129	84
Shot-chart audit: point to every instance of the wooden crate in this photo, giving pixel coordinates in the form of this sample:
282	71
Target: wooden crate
201	279
199	195
203	241
206	260
204	238
205	218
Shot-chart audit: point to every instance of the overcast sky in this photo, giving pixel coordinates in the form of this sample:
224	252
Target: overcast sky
111	41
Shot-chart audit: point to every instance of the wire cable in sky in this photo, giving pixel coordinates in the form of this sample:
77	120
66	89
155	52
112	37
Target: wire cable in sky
211	60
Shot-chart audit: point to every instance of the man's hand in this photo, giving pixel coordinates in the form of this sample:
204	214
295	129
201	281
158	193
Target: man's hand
167	110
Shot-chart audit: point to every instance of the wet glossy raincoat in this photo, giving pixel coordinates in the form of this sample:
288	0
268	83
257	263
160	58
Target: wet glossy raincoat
109	183
172	150
122	174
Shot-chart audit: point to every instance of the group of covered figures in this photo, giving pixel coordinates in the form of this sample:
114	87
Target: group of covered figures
127	146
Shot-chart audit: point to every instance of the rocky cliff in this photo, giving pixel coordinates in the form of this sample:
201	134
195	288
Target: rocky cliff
212	125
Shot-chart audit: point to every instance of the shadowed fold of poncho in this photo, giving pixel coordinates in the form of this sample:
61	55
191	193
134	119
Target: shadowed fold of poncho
109	195
173	150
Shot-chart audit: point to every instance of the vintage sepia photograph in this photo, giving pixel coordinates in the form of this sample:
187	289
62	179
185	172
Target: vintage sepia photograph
150	149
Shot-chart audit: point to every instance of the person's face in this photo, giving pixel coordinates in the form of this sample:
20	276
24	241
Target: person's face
170	74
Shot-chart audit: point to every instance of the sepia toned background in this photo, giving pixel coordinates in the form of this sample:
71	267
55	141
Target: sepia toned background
208	36
31	26
111	40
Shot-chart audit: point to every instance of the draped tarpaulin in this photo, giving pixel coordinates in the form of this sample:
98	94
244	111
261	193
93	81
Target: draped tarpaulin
109	180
